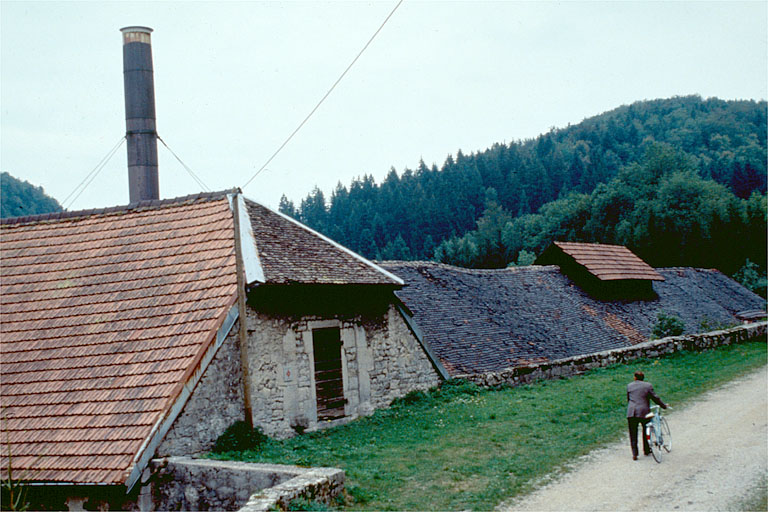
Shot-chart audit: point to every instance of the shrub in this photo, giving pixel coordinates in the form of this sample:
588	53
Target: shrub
412	397
708	324
305	504
455	388
240	437
667	325
750	277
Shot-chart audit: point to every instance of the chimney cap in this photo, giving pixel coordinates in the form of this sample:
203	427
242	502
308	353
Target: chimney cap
145	30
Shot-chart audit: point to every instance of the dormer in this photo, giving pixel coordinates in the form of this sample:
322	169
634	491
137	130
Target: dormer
607	272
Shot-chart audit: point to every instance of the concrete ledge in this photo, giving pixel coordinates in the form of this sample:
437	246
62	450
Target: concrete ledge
184	483
576	365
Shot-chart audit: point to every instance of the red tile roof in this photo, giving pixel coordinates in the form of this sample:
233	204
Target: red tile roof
104	316
609	262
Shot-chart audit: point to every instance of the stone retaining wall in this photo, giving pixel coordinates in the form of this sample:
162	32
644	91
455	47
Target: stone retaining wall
184	483
650	349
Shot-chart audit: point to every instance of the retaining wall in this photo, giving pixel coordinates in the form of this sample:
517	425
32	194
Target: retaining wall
184	483
649	349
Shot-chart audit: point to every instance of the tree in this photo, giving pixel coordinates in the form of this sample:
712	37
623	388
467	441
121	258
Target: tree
19	198
286	206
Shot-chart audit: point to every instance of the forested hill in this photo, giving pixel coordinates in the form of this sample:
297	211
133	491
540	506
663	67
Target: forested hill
483	209
19	198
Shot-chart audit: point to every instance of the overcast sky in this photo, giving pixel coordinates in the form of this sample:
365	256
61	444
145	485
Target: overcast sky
234	79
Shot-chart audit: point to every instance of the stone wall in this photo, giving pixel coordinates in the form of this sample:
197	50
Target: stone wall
183	483
400	364
381	360
215	404
649	349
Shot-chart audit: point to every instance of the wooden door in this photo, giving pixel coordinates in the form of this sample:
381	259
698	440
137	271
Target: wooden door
329	382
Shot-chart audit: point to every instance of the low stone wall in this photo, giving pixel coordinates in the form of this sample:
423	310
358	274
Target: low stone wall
183	483
649	349
315	484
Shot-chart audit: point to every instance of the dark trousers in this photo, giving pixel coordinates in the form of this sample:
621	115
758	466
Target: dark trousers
633	424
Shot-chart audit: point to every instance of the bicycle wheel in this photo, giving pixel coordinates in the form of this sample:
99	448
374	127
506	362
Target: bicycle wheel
653	442
666	436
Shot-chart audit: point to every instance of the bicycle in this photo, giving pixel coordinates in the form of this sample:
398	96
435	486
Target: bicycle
657	433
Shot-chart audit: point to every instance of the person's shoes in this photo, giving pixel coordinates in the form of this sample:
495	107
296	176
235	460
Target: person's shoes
647	454
634	457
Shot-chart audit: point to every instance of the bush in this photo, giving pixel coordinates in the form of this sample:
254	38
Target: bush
412	397
455	388
708	324
305	504
750	277
667	325
240	437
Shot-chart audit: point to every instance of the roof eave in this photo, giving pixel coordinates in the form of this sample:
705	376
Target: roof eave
175	405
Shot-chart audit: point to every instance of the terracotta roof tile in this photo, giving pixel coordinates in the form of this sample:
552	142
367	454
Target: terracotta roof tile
609	262
105	312
102	316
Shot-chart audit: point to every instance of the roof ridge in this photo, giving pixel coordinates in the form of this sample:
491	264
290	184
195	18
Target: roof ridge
148	203
429	263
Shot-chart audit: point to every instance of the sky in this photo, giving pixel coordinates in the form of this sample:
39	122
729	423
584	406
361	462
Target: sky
234	79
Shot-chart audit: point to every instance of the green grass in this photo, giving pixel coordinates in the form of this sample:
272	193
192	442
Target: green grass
756	500
463	447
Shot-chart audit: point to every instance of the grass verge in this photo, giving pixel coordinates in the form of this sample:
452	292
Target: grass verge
463	447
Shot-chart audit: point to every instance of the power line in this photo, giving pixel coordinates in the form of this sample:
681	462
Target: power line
194	176
324	97
92	175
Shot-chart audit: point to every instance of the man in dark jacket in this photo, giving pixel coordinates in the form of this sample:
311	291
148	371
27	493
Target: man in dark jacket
638	406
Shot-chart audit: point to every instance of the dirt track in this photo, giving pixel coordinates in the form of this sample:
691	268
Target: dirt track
719	453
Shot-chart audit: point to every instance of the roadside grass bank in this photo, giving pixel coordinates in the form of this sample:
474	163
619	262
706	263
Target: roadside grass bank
465	447
757	500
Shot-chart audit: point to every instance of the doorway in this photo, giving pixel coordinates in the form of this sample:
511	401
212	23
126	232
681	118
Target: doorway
329	381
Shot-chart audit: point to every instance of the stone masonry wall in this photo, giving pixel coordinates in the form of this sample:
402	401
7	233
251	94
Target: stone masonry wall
215	404
381	360
183	483
649	349
400	363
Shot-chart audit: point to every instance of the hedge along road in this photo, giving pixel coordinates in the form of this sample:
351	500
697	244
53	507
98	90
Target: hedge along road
719	454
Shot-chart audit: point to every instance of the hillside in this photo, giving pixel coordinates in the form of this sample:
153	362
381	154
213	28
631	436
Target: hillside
677	179
19	198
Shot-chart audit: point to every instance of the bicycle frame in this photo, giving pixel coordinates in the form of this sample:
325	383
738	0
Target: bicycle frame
654	427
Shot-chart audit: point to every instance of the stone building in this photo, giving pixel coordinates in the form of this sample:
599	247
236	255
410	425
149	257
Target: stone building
477	320
120	339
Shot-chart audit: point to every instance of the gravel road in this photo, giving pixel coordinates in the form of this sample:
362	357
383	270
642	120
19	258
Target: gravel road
719	453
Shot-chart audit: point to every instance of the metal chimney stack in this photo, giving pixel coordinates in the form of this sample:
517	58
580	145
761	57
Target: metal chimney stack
140	130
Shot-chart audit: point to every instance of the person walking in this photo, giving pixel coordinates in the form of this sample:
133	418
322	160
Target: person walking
639	394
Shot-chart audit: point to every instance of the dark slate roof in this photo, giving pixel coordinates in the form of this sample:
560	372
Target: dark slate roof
290	252
486	320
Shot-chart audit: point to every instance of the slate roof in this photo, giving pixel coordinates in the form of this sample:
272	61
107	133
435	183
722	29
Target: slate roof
106	314
292	253
487	320
608	262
